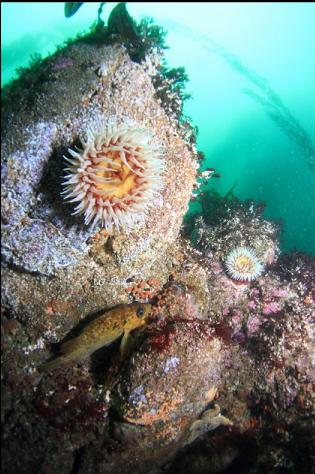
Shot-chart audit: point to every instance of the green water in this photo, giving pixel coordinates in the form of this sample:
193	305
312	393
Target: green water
268	49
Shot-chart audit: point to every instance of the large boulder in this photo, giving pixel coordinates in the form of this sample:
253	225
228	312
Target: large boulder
55	265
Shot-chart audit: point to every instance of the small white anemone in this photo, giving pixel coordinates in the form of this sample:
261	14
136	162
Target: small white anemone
115	178
242	264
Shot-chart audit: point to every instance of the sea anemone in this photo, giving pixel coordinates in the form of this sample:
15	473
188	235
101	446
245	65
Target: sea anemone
242	264
114	178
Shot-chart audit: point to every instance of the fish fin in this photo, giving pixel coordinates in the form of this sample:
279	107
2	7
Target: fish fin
59	361
69	346
71	8
196	425
87	345
123	344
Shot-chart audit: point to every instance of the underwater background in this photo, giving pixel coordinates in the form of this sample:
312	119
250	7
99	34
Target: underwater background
150	322
251	76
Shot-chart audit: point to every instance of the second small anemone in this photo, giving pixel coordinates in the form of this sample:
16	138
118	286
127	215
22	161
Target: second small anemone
242	264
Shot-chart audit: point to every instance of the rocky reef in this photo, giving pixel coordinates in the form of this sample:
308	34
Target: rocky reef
220	379
43	244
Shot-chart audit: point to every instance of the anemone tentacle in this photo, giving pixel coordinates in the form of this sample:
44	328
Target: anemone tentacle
114	178
242	264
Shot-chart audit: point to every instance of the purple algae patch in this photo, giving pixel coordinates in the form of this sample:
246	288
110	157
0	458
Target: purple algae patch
38	247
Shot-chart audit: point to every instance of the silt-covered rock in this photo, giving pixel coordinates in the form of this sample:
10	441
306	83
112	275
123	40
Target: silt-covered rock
172	376
43	244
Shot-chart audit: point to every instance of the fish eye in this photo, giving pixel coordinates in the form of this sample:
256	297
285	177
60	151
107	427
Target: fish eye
140	312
